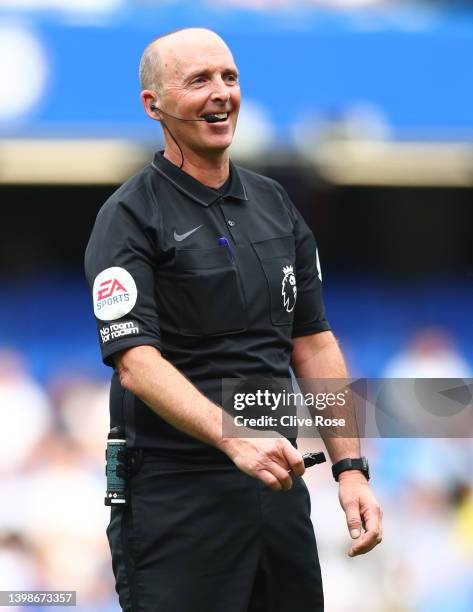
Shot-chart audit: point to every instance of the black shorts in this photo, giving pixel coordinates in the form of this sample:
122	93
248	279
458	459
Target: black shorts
213	539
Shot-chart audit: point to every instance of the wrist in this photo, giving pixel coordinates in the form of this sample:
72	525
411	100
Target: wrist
352	476
228	446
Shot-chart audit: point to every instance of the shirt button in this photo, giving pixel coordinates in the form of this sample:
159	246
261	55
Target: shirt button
231	223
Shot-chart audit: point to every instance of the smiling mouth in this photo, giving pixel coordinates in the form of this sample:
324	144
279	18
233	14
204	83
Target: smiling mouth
215	117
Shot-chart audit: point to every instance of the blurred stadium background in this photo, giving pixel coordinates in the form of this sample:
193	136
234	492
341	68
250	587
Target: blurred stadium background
363	110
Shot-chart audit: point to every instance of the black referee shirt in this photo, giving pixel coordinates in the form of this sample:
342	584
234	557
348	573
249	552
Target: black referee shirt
219	281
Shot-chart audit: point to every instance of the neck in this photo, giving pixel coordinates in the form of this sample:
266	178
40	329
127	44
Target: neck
212	171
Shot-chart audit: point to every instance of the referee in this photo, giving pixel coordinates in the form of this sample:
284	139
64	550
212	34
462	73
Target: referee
201	271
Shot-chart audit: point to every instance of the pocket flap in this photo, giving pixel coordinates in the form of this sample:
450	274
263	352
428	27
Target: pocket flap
202	259
275	247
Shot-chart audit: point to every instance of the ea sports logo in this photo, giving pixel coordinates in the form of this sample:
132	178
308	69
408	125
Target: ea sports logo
108	287
114	294
289	288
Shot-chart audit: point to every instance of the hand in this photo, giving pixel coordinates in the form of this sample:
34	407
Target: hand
268	459
362	510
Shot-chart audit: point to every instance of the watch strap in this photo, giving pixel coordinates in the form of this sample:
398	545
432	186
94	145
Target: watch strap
360	463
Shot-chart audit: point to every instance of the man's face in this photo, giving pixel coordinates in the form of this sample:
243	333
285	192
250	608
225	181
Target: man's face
200	78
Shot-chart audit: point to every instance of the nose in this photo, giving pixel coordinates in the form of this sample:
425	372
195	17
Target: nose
220	91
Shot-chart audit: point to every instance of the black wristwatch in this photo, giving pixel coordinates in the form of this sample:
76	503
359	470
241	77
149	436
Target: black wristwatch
351	464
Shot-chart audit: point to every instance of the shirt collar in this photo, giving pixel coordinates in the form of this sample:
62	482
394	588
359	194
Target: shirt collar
195	189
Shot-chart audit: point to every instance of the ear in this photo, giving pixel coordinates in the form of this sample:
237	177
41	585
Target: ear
148	99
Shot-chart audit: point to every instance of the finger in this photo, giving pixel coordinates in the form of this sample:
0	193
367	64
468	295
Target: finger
364	545
371	538
373	521
269	480
281	474
352	512
294	459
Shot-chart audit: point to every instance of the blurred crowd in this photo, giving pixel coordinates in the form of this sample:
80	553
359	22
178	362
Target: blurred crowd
53	520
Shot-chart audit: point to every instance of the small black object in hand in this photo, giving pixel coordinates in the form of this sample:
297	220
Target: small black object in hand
311	459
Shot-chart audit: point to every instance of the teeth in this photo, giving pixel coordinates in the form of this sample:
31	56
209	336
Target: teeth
221	116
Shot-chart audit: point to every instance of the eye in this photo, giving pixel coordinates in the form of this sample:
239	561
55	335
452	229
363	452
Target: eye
231	78
198	80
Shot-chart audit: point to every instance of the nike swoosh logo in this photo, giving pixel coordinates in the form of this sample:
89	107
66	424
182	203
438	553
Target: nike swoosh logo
180	237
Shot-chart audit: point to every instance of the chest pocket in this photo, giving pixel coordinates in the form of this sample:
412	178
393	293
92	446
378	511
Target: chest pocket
211	296
278	260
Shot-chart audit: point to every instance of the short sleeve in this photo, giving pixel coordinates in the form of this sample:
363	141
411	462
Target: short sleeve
119	266
309	313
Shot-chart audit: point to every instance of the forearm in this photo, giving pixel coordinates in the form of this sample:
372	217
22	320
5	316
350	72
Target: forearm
320	358
153	379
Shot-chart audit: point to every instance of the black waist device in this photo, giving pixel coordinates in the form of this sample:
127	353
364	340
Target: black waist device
311	459
115	469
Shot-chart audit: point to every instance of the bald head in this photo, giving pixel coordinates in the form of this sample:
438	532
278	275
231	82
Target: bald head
167	54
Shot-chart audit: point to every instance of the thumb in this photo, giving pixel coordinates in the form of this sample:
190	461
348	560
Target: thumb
353	520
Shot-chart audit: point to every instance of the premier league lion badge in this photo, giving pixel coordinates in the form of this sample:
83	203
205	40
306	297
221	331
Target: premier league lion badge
289	289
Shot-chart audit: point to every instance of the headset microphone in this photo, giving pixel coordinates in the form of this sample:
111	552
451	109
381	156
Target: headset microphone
207	119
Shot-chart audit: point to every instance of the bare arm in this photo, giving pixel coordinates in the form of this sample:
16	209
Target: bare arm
145	373
153	379
318	356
